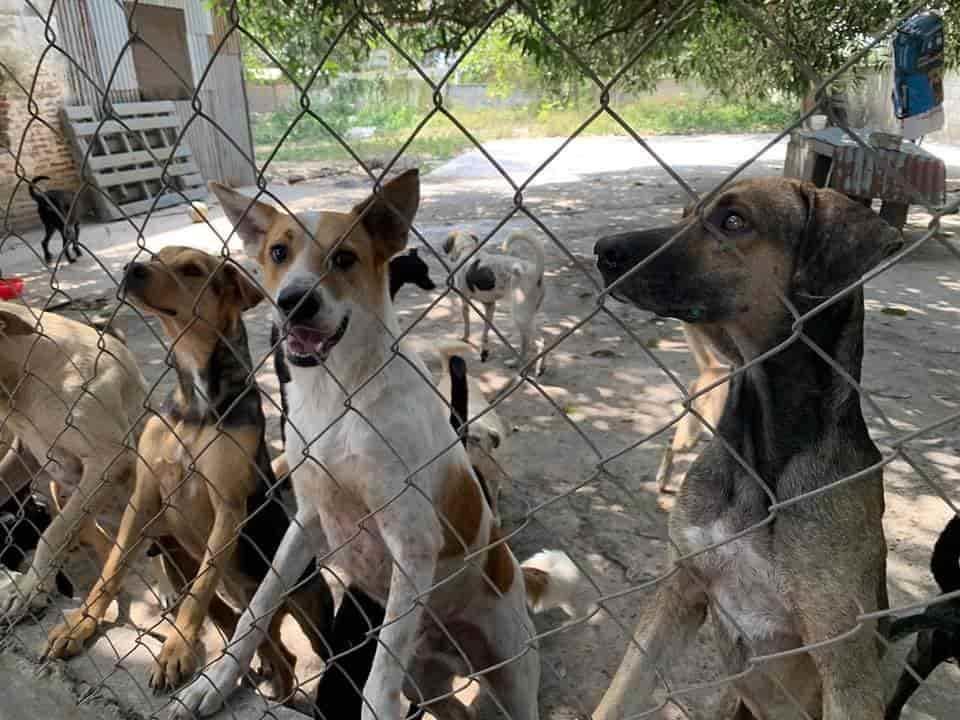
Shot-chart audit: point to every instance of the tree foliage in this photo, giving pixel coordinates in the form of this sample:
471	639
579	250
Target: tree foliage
734	51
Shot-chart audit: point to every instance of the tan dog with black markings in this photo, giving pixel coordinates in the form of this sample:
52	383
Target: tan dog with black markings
203	478
786	586
74	398
387	492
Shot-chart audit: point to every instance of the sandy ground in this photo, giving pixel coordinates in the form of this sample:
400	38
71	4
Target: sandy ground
601	394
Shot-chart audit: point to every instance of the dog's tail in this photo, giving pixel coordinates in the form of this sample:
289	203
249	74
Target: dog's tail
32	187
535	247
459	395
553	581
945	561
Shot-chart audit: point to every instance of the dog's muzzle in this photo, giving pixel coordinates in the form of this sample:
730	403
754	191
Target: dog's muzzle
308	344
298	306
610	259
135	276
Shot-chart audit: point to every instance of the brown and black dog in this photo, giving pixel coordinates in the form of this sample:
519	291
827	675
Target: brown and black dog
786	584
203	481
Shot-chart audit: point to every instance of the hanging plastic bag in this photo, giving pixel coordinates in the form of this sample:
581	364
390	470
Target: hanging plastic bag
918	75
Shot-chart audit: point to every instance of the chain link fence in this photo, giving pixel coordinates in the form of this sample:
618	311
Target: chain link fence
151	430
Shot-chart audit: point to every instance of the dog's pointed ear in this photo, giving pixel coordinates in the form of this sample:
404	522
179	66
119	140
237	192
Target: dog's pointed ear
841	241
250	220
11	325
388	215
244	291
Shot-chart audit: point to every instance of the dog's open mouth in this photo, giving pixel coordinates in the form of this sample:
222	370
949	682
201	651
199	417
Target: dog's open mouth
306	346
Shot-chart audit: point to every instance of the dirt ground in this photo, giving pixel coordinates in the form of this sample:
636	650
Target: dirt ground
608	390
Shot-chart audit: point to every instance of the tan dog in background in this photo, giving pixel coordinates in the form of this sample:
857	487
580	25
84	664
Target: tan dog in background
76	407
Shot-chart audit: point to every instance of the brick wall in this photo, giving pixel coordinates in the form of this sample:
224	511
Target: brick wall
44	151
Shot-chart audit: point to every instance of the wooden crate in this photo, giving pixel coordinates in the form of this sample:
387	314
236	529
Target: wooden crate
134	161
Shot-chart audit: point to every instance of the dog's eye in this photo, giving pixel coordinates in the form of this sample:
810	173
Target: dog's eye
734	222
344	259
192	270
278	253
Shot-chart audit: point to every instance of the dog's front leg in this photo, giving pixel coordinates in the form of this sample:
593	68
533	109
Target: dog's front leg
488	309
67	244
665	630
465	310
205	695
45	244
414	565
56	540
178	657
67	638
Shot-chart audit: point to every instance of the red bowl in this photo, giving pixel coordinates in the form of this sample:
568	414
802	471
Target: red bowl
10	288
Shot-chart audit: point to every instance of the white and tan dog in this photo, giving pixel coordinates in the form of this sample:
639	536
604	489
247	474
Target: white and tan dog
382	478
489	277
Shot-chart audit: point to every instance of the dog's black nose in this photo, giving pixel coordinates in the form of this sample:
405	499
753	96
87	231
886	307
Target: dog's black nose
608	253
298	305
136	271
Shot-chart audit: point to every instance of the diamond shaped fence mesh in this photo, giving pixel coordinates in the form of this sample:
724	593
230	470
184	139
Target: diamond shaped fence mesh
255	462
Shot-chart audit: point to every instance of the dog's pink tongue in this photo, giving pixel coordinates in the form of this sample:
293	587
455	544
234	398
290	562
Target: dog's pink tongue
304	340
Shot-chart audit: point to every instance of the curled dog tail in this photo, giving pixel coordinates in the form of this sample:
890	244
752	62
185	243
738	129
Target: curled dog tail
945	561
535	247
553	581
31	187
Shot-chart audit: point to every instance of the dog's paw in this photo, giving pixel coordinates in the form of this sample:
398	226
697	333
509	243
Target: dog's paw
280	674
177	661
68	638
207	693
167	601
18	593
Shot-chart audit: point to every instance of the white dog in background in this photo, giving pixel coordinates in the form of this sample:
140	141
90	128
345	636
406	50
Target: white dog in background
489	277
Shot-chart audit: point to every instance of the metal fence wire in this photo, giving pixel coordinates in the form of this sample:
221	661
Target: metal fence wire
181	457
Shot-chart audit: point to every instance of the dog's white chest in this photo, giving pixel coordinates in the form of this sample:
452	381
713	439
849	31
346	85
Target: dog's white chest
336	492
746	586
355	543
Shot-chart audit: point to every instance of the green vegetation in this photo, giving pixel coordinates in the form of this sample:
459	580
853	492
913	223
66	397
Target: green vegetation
394	122
751	55
751	48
